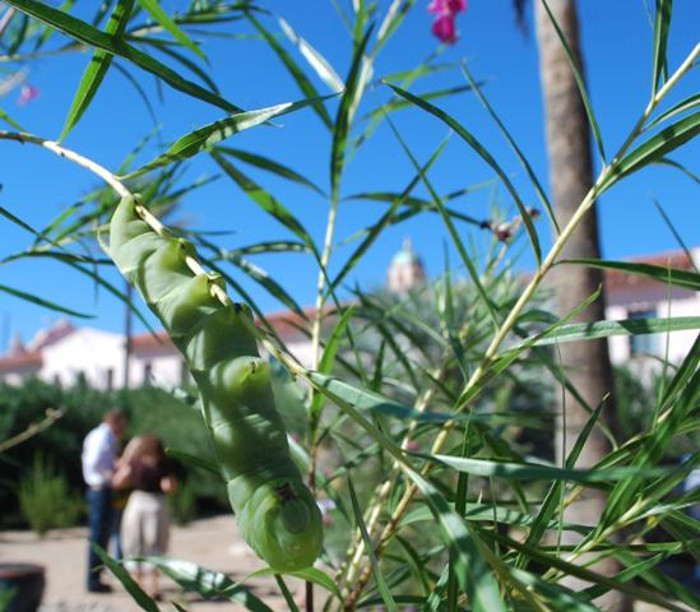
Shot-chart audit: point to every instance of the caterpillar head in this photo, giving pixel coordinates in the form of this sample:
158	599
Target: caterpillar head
282	523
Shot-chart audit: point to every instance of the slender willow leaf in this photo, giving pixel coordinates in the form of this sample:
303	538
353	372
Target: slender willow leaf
10	121
369	547
549	505
97	68
665	161
297	73
454	234
89	35
310	574
375	230
669	276
269	165
398	104
139	91
558	596
342	121
132	587
209	135
208	583
195	460
534	471
264	199
473	573
326	364
604	329
320	64
469	138
42	302
575	68
513	145
677	236
154	8
689	103
662	23
167	48
655	148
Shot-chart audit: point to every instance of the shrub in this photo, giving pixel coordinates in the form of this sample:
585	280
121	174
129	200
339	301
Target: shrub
46	499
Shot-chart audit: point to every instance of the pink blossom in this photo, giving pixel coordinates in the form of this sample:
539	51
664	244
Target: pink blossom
445	13
445	7
444	28
27	94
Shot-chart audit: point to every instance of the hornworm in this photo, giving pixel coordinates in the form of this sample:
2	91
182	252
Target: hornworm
277	514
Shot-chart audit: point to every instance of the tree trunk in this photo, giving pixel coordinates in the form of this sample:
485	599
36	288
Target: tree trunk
586	364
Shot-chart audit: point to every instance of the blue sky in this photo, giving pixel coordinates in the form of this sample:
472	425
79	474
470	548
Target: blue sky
617	44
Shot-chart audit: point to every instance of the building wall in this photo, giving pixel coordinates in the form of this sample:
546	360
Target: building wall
652	300
95	354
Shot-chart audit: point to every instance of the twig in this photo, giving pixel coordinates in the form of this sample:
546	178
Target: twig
52	415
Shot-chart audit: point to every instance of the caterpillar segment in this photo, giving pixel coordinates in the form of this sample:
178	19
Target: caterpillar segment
276	513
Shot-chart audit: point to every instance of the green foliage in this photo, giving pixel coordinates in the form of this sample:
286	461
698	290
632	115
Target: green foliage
149	409
424	420
46	500
183	503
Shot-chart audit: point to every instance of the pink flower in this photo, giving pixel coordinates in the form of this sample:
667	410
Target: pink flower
444	28
27	94
451	7
445	13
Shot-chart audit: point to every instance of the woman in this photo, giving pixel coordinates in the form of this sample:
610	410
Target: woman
145	469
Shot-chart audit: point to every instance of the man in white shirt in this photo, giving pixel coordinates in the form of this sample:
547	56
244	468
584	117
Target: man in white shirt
99	459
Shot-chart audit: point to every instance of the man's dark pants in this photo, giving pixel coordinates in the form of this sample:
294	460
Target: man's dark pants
100	522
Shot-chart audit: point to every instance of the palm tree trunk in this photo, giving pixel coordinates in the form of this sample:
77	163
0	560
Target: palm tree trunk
587	364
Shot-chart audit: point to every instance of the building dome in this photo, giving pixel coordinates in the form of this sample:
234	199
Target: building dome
406	269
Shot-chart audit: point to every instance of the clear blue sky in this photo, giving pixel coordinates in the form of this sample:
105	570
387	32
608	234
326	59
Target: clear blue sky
617	42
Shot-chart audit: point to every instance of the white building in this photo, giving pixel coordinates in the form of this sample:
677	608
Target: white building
66	354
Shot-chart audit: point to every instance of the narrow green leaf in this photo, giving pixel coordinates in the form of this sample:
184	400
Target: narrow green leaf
604	329
575	68
310	574
209	135
369	548
89	35
679	278
208	583
655	148
132	587
269	165
689	103
264	199
97	68
155	10
558	596
342	121
195	460
549	505
306	87
454	234
473	573
10	121
166	48
665	161
320	64
469	138
326	364
375	230
677	236
662	24
513	145
42	302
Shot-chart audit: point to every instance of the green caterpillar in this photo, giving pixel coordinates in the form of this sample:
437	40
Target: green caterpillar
277	514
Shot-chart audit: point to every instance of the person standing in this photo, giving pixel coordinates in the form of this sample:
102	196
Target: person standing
99	461
145	469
